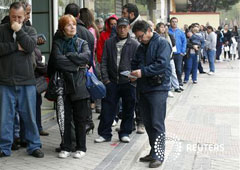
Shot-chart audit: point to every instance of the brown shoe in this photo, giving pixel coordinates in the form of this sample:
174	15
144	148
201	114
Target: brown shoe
43	133
147	158
155	164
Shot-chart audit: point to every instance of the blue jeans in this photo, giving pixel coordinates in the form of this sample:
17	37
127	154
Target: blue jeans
24	97
191	66
109	109
178	61
38	112
153	108
211	58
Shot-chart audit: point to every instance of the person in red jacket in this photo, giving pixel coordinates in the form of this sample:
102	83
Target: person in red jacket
109	24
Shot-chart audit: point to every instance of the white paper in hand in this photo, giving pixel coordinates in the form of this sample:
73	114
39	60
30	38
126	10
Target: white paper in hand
128	74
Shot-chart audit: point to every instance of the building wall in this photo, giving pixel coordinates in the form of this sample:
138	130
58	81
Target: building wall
202	18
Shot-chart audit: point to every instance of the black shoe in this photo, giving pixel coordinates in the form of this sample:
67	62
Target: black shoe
203	72
38	153
147	158
194	82
58	149
155	163
43	133
181	88
15	146
23	144
2	154
178	90
98	110
89	127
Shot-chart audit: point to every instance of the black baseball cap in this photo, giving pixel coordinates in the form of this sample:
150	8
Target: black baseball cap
122	21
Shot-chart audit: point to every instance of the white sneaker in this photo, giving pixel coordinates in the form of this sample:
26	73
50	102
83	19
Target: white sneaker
100	139
79	154
210	73
114	123
125	139
64	154
170	94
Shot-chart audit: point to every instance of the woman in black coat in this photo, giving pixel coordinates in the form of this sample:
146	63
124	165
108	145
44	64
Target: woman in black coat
70	56
227	41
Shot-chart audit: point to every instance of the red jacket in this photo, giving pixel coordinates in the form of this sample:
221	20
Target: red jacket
103	37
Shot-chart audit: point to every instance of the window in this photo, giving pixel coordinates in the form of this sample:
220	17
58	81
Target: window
104	8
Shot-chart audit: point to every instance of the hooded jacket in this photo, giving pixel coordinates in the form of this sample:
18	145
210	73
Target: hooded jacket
16	67
105	35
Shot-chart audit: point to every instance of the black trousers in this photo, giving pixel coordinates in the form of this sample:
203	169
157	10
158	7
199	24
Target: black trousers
109	109
78	112
153	106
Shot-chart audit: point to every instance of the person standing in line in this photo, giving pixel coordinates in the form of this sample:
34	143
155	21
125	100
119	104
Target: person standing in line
162	30
181	43
227	42
70	56
219	45
83	33
117	55
87	17
211	49
100	24
151	66
194	46
233	47
17	81
131	12
105	35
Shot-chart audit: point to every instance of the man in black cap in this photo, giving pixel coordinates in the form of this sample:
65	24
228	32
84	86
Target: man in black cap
117	55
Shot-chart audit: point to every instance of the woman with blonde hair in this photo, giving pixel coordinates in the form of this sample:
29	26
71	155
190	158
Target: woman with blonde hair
69	57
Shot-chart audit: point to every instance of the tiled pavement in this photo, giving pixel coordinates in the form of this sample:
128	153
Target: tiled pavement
205	115
206	121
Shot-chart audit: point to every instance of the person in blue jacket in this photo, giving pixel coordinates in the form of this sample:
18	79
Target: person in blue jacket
181	43
151	66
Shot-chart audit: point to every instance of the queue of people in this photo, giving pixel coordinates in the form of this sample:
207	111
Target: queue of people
155	59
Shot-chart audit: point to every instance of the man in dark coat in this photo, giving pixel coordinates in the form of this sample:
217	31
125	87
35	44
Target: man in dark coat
17	81
151	65
117	54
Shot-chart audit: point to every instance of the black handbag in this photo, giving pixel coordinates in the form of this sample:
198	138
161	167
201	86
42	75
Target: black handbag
41	84
55	82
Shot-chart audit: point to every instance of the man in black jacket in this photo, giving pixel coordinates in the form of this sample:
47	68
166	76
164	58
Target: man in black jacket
151	66
117	55
17	81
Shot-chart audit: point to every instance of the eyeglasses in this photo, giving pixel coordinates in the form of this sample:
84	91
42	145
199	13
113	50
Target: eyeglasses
139	38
